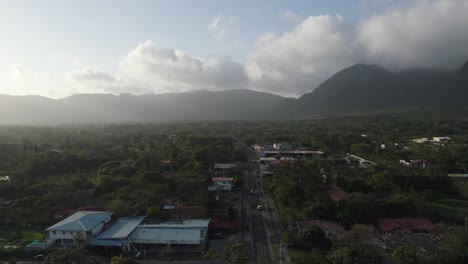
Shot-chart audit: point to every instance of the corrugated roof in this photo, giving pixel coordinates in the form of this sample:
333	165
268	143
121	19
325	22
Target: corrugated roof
178	223
81	221
160	235
413	224
122	228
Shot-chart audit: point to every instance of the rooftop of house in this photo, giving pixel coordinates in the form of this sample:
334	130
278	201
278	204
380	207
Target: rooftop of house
121	228
336	194
81	221
412	224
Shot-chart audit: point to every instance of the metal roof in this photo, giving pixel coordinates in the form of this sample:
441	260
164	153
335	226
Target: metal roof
122	228
161	235
180	231
81	221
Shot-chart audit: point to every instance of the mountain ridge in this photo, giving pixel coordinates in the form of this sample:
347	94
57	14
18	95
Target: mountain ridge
358	88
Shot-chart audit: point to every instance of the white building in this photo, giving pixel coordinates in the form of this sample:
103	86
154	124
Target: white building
221	184
79	226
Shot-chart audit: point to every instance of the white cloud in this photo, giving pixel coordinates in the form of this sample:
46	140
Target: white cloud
420	34
171	69
90	75
221	26
427	33
151	69
290	15
297	61
20	74
76	61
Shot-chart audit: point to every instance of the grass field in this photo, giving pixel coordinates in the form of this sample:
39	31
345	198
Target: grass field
447	208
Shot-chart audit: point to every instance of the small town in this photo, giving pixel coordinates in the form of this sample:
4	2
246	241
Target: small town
209	198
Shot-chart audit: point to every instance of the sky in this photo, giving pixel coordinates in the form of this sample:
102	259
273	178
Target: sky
57	48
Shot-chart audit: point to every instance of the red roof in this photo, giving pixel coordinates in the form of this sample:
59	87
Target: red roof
413	224
222	226
325	226
337	194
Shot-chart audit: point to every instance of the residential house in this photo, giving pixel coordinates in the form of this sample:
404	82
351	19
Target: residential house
389	226
137	234
79	226
336	194
282	146
329	228
419	163
221	184
421	140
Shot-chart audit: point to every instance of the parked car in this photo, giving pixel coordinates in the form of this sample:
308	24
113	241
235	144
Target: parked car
259	207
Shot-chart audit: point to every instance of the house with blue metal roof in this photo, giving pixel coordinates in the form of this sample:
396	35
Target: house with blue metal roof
135	234
79	226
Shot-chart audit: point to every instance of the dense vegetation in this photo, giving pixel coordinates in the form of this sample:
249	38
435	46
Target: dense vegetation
132	169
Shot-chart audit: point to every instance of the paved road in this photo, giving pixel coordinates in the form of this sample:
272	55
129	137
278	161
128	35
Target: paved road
260	247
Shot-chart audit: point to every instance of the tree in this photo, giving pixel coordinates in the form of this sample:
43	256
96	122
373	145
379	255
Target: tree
236	253
406	254
358	208
70	256
123	260
312	237
356	254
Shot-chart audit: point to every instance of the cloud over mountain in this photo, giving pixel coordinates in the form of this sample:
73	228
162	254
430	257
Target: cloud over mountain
430	34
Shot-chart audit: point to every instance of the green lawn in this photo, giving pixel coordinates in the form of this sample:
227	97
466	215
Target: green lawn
447	208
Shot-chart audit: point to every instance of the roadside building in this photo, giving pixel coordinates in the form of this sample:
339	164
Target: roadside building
336	193
418	164
221	184
135	234
391	226
76	228
441	139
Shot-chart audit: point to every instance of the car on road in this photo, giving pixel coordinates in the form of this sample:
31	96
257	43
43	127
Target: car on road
251	191
255	192
259	207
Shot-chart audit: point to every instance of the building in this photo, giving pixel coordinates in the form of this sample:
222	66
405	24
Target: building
421	140
458	176
418	164
135	234
329	228
221	184
336	194
80	226
411	225
441	139
282	146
